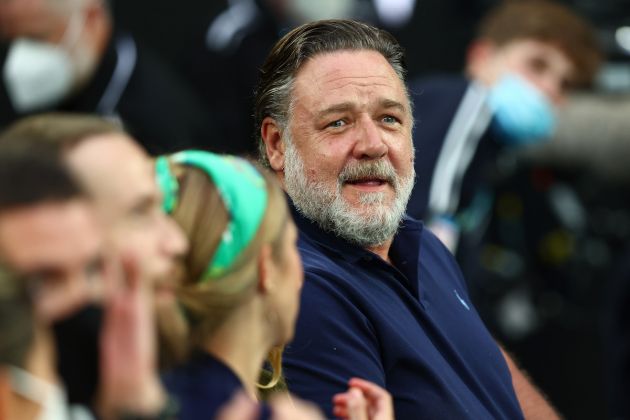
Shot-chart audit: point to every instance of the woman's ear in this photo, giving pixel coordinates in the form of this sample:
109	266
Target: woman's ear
266	270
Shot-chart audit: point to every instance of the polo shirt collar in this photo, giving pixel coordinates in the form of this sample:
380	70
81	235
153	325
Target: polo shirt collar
346	250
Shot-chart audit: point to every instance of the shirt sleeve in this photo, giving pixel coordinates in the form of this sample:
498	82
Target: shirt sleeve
333	342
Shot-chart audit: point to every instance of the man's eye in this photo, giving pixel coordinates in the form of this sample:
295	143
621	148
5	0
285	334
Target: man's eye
337	124
538	64
388	119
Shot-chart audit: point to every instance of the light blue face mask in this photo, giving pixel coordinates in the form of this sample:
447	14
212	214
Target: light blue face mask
522	114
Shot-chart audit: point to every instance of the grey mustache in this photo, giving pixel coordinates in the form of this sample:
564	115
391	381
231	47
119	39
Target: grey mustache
380	169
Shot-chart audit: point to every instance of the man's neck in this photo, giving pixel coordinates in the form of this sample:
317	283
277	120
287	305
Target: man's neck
382	250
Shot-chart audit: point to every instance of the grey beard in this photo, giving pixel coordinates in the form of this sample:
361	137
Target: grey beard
372	225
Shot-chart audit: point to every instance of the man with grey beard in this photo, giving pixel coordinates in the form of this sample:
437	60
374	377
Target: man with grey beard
383	299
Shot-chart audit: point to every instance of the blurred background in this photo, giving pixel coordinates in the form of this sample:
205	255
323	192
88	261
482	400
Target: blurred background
551	279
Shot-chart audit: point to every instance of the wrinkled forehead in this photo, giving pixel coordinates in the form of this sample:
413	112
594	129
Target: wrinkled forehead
329	77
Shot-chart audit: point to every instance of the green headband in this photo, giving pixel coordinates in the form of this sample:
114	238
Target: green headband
243	192
168	184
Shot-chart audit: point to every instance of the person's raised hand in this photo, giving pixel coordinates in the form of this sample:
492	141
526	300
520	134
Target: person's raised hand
377	403
129	377
240	407
286	407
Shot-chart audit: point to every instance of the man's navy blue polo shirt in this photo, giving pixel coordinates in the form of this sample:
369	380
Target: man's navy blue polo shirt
409	327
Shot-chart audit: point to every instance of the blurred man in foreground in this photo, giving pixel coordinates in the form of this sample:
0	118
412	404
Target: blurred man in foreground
137	236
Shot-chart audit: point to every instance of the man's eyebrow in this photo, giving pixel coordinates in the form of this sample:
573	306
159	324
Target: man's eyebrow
143	203
390	103
333	109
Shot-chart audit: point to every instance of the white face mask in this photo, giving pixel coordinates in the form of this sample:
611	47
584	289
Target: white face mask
39	74
50	397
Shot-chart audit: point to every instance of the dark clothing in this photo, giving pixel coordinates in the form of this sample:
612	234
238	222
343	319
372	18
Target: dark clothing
203	386
437	101
409	327
78	355
224	65
617	338
132	85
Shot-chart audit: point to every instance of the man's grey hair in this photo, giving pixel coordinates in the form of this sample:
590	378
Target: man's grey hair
272	97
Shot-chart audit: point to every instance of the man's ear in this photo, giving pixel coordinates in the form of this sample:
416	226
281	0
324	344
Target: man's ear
478	60
266	277
274	146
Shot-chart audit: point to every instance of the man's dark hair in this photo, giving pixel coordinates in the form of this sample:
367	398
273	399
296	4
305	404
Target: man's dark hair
272	97
58	132
29	176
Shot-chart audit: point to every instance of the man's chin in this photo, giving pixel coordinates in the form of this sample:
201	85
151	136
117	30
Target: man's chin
369	206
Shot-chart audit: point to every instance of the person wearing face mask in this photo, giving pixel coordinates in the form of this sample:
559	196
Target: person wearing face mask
68	55
48	237
118	175
524	59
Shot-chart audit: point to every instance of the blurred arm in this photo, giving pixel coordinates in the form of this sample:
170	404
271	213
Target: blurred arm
532	401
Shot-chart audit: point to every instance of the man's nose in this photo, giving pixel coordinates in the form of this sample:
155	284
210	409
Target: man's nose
174	242
369	142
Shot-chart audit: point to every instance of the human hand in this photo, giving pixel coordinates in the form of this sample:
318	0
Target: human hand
129	378
240	407
363	401
287	407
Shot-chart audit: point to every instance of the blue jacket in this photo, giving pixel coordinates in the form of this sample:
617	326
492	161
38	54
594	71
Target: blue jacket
452	150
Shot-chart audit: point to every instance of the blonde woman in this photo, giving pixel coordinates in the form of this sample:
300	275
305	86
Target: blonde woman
238	288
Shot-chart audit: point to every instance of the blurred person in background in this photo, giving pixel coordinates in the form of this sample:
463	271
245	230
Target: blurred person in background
119	177
536	237
239	288
223	63
524	59
68	55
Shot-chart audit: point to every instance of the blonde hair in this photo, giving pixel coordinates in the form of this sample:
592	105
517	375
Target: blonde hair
205	305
